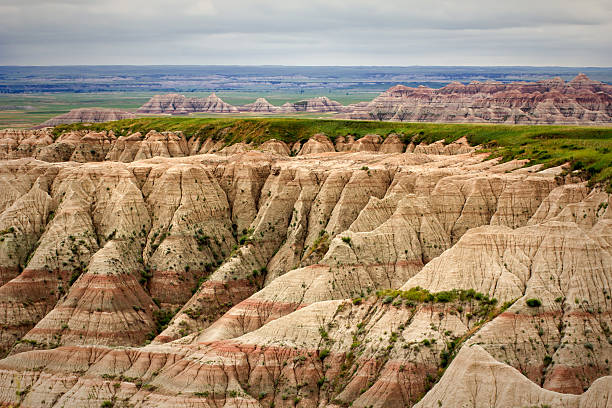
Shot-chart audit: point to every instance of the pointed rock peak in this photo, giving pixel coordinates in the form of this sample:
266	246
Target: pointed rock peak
213	98
582	79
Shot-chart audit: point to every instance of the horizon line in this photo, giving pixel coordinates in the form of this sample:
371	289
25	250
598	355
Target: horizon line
308	66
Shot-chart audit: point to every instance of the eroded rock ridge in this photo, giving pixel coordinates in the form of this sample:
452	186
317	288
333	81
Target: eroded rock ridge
153	270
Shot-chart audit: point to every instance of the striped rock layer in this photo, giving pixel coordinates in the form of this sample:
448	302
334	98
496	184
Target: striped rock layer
162	271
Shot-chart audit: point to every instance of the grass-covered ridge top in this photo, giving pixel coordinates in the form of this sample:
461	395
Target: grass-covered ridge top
587	148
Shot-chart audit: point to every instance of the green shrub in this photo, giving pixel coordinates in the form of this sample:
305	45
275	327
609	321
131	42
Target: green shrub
533	302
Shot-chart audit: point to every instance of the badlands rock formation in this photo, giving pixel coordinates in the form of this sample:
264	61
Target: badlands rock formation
88	115
261	105
319	104
156	270
180	105
579	101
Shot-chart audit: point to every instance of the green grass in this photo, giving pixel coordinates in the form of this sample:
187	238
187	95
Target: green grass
588	149
35	108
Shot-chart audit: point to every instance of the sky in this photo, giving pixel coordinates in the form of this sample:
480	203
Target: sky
313	32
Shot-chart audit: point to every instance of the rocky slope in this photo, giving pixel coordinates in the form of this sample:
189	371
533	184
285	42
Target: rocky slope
156	270
88	115
579	101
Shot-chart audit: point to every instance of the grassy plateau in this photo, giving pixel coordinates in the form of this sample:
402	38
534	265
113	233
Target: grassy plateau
587	149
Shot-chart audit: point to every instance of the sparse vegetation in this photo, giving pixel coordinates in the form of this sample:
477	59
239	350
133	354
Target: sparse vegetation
418	294
161	317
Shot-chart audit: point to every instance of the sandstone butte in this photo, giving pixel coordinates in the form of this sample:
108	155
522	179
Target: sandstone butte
176	104
88	115
155	270
580	101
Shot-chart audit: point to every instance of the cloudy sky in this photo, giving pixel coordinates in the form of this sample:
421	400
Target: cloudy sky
313	32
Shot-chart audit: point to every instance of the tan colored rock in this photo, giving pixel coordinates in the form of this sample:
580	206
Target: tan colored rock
18	143
319	143
343	144
211	146
126	148
89	115
459	146
239	147
21	225
520	200
557	200
165	144
93	146
368	143
275	146
190	231
392	144
273	263
475	378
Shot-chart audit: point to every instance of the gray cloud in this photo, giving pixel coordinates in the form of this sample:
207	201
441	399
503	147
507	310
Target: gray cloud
317	32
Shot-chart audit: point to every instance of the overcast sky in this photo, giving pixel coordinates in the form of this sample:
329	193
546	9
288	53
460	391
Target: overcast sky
313	32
